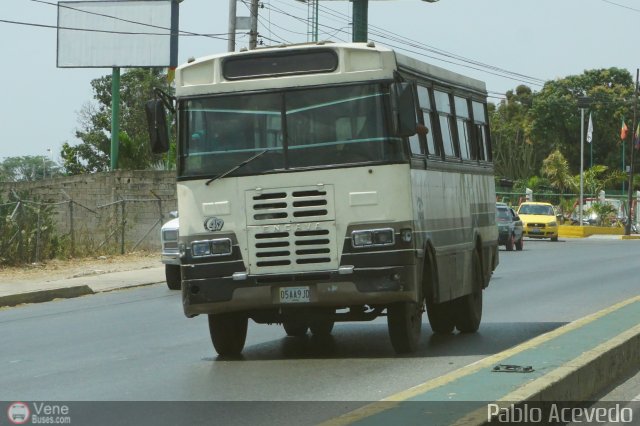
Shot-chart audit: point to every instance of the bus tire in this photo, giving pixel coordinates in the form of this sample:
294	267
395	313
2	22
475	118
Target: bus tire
439	314
468	309
321	328
441	317
295	329
228	333
172	274
404	320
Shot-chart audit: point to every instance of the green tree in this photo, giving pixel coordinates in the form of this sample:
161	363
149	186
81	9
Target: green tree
556	169
28	168
513	153
555	116
94	153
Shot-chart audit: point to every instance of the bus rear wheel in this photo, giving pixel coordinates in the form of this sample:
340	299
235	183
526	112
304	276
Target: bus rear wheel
295	329
404	320
228	333
441	317
321	328
468	308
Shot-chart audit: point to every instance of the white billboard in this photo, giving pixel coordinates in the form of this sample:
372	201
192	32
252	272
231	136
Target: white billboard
125	33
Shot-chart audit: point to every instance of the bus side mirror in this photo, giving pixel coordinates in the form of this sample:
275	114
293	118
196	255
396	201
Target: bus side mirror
404	109
157	122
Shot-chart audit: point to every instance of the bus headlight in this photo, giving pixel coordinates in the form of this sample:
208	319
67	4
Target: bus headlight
372	237
200	248
218	247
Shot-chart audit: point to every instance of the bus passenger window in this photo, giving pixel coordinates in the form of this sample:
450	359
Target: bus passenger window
481	133
462	123
443	107
425	113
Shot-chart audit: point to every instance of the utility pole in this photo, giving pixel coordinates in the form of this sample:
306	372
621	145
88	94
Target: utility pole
231	45
253	32
632	148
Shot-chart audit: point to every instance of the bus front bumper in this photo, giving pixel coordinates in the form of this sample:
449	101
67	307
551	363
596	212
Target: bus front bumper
328	289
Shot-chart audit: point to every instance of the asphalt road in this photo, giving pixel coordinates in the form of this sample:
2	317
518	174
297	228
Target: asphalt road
136	345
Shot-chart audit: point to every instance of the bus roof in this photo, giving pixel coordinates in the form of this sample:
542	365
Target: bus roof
365	61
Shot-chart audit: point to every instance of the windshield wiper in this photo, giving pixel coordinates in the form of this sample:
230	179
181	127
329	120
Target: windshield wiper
234	168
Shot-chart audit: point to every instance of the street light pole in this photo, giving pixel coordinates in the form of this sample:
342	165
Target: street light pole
583	103
632	148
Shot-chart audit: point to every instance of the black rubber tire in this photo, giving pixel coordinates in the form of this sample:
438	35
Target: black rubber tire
468	309
321	328
172	274
520	243
554	239
509	244
404	321
295	329
439	314
228	333
441	317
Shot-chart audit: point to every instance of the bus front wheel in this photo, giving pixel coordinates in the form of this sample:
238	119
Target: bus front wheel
228	333
404	320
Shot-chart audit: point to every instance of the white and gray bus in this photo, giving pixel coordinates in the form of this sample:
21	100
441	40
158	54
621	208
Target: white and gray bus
328	182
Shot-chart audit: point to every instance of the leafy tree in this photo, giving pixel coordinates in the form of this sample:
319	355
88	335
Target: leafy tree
28	168
94	153
556	169
555	116
598	178
513	152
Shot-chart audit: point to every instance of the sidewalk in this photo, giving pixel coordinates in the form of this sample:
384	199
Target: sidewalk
37	290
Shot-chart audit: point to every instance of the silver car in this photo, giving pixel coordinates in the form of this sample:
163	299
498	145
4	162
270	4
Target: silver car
170	254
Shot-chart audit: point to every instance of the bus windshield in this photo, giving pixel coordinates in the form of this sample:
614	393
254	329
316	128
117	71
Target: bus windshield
298	128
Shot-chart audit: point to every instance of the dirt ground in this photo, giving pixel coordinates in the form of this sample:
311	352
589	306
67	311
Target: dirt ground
69	268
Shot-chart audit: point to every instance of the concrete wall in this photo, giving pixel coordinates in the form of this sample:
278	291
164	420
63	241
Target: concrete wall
90	208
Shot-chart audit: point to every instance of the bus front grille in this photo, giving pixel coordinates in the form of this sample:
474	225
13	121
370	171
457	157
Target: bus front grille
291	229
293	247
290	205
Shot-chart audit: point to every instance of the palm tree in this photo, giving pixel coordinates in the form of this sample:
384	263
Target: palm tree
556	169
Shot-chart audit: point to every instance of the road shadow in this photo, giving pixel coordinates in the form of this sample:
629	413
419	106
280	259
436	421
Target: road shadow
372	341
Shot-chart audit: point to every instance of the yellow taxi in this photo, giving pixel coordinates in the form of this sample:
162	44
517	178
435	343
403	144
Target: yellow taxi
539	220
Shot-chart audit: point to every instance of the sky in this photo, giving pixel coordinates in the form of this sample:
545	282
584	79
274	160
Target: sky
502	42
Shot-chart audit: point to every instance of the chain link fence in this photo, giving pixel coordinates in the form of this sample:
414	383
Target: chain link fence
116	214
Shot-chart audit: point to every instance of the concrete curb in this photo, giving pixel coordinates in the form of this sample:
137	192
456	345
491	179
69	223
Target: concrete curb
586	371
581	379
45	295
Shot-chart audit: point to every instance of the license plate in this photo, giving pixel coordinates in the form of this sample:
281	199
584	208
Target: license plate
535	231
294	294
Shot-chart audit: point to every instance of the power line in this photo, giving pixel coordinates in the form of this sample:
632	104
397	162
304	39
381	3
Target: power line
621	5
467	63
384	36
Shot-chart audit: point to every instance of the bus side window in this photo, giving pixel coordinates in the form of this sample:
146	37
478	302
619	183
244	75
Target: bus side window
462	122
418	141
443	107
481	131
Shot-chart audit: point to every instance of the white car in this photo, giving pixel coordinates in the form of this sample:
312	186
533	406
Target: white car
170	253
